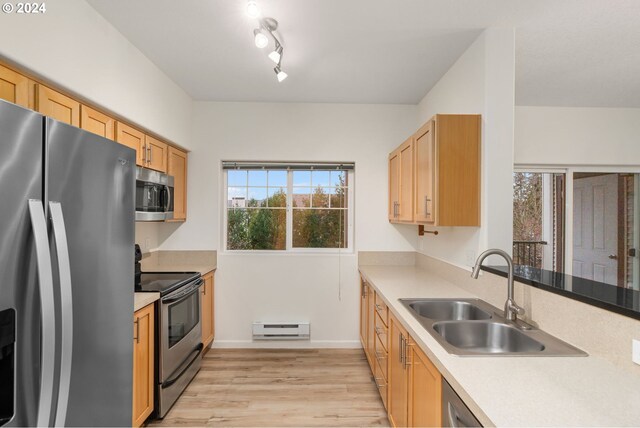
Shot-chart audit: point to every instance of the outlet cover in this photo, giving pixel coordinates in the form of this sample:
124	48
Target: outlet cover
635	355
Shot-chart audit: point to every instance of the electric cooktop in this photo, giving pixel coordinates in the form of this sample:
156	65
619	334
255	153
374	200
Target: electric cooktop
164	282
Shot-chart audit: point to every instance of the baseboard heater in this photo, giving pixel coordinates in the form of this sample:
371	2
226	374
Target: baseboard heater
280	331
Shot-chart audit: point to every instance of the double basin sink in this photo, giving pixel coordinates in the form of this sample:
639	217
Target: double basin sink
472	327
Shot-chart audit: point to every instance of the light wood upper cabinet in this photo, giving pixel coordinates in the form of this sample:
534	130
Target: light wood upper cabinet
207	305
57	106
98	123
457	165
443	176
132	138
156	154
14	87
425	391
401	183
143	364
394	185
425	173
398	373
177	168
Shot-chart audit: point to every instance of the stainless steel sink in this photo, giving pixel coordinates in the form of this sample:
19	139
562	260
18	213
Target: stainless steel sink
448	310
487	337
472	327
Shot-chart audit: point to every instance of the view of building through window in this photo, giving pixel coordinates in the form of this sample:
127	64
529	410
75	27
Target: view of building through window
275	209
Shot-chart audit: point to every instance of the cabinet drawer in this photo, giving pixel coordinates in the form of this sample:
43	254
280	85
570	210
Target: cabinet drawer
382	332
382	310
382	357
381	383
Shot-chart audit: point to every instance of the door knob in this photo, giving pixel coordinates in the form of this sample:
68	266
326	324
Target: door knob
613	257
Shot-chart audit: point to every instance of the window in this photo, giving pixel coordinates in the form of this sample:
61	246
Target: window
288	207
582	222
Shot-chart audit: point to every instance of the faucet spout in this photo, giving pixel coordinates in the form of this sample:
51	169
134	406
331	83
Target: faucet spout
511	308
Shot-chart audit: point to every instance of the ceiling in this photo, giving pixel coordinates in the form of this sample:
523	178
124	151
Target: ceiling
569	52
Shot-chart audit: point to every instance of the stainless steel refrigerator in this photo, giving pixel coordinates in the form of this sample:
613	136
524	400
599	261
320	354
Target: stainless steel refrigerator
66	274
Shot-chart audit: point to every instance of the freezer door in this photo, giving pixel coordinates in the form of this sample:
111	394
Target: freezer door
93	180
21	148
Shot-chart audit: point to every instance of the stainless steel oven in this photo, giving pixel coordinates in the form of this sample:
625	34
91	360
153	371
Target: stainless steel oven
154	195
180	342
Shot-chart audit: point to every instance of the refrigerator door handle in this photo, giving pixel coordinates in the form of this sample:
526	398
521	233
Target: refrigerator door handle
66	310
48	319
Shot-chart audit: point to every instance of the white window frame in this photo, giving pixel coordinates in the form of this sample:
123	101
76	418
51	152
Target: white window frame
289	249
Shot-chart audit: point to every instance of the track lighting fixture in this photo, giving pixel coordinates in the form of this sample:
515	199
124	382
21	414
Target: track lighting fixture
269	25
252	9
281	75
276	55
260	39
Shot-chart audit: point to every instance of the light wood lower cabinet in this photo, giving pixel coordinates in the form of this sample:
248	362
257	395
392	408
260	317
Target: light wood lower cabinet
425	391
408	382
143	364
207	305
398	374
364	305
177	168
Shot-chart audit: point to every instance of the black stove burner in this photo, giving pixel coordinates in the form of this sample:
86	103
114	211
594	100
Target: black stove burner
164	282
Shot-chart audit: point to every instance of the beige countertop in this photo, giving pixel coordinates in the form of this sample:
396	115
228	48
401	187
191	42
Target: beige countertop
140	300
514	391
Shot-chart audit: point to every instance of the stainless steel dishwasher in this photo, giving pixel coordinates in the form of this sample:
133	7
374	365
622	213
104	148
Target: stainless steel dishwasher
454	412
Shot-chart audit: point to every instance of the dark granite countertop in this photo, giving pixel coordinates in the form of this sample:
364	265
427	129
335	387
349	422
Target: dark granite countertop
624	301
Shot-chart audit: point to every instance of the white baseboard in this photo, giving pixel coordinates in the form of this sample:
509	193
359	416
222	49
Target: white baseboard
287	344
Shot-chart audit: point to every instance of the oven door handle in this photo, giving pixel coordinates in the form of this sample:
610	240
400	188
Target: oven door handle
173	378
183	295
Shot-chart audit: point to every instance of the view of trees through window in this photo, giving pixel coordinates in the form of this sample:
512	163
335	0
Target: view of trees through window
257	214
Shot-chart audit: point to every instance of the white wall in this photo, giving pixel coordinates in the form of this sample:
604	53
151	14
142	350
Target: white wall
288	287
481	82
74	47
577	136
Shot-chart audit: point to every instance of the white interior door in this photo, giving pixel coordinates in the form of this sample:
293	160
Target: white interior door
595	228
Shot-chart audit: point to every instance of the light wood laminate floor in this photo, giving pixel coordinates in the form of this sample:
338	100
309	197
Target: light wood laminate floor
278	387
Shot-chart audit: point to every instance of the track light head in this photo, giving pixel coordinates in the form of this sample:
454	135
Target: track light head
252	9
281	75
276	55
260	39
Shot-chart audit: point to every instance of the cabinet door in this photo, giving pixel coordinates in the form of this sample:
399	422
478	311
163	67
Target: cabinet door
425	174
371	328
14	87
406	181
156	154
143	364
132	138
57	106
394	185
177	168
99	123
364	296
425	391
207	310
398	374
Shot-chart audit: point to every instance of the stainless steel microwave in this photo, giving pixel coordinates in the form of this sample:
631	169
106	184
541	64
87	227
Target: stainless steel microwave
154	195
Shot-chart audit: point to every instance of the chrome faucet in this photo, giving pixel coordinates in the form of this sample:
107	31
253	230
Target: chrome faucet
511	308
